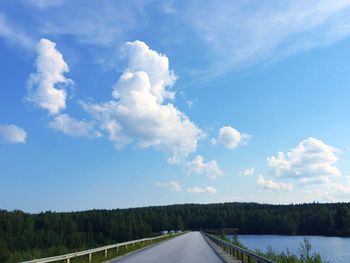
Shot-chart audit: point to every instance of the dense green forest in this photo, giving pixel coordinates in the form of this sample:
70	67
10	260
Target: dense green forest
25	236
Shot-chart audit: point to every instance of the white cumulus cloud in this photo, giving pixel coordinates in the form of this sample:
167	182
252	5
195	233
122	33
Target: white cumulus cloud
10	133
269	184
199	166
247	172
138	111
171	185
46	85
200	190
230	137
143	59
311	158
73	127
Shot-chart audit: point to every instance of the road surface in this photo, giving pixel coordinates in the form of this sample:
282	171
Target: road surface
187	248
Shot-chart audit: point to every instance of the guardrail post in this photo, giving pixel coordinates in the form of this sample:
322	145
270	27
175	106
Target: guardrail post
117	248
106	253
90	257
242	255
68	260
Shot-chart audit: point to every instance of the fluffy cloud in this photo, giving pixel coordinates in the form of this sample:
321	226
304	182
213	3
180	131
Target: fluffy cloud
46	86
247	172
138	111
268	184
73	127
230	137
142	59
200	190
311	158
172	185
10	133
198	166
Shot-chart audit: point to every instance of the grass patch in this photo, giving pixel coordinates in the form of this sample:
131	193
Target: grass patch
304	253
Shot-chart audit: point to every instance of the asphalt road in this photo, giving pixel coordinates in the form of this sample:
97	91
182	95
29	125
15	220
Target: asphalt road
187	248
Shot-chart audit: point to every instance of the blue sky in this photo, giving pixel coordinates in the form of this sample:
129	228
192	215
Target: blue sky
135	103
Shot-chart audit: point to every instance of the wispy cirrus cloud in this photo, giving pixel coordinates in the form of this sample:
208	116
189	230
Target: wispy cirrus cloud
14	35
43	4
246	33
231	34
89	27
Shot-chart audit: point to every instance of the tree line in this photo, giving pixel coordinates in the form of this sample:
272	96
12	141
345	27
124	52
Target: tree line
25	236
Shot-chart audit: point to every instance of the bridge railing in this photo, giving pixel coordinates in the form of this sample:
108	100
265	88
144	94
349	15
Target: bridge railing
90	252
244	255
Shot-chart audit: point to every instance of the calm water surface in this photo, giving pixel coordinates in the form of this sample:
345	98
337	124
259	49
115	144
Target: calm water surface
332	249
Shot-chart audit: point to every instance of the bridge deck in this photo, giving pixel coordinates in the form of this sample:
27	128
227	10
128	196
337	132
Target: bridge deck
187	248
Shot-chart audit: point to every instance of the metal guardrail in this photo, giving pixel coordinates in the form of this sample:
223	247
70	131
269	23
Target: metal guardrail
89	252
238	252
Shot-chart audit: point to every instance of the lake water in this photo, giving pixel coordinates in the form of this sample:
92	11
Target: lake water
332	249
